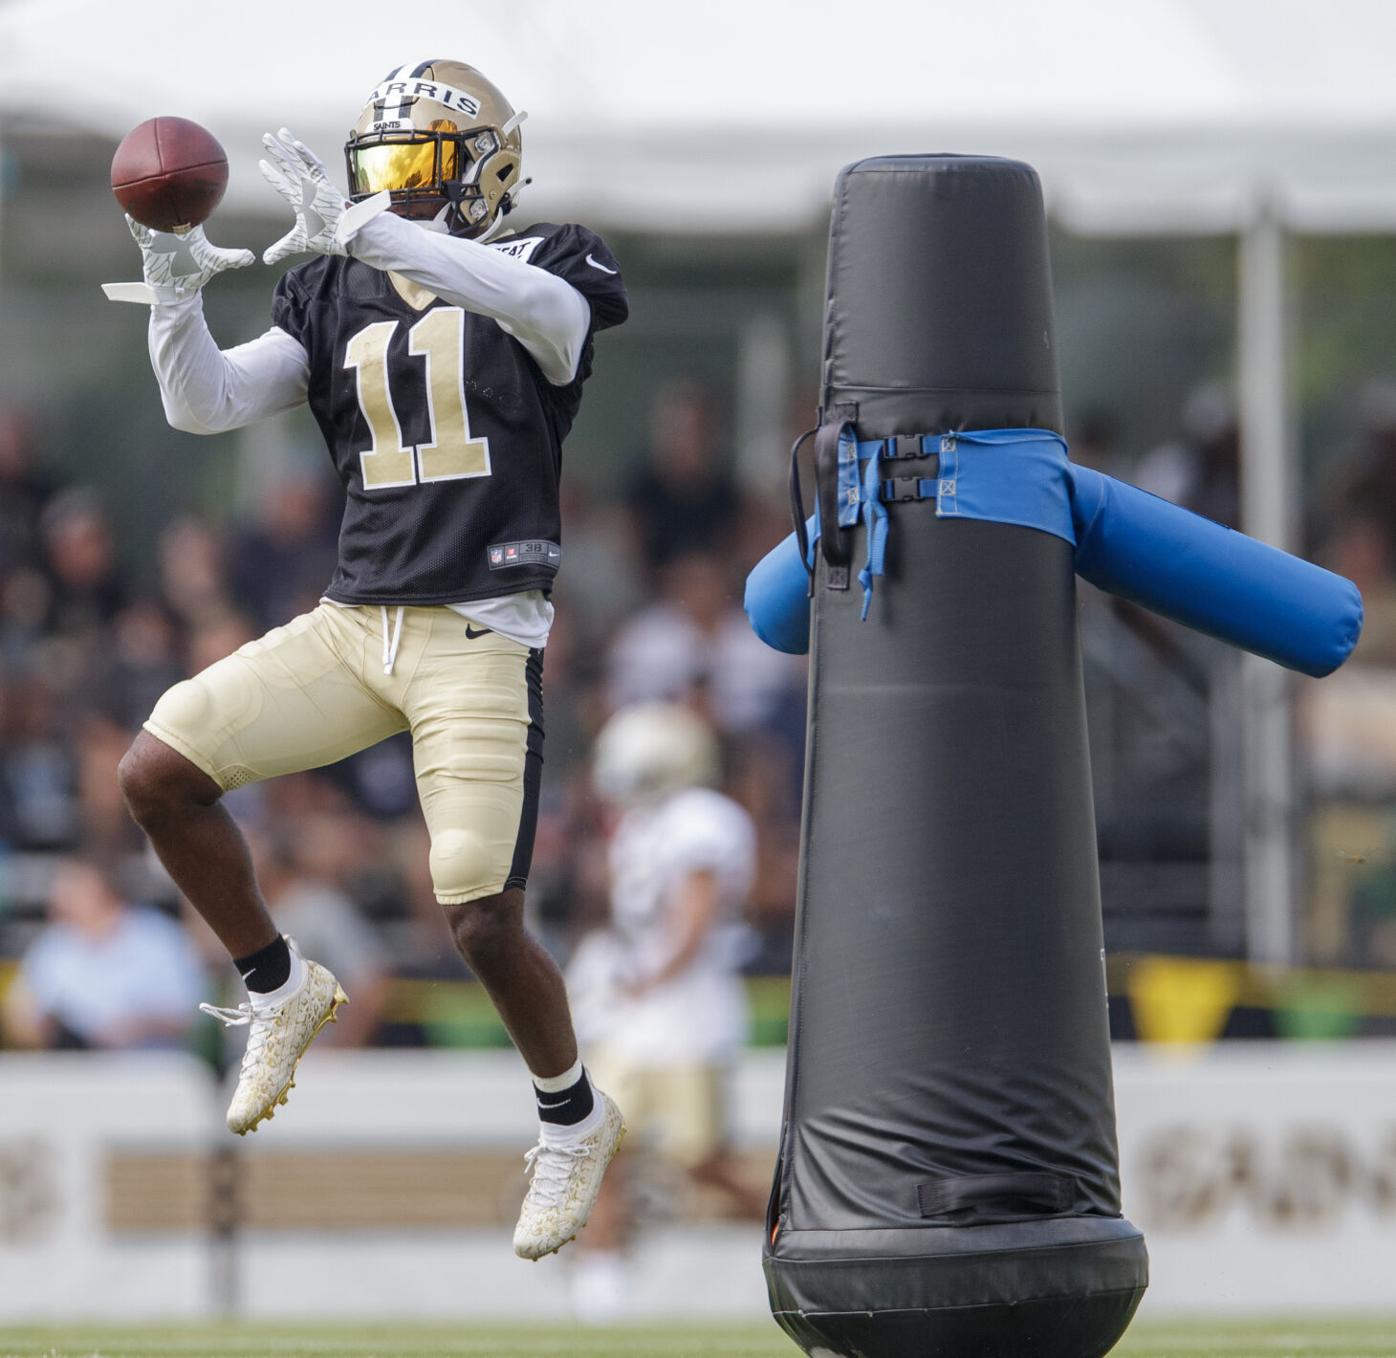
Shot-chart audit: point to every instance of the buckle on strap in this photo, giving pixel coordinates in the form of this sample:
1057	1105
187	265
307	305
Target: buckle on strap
901	446
901	488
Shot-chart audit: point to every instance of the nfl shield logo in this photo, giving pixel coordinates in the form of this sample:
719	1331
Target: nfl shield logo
496	555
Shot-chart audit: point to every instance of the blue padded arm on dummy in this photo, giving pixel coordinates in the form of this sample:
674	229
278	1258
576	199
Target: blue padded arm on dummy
1210	578
777	595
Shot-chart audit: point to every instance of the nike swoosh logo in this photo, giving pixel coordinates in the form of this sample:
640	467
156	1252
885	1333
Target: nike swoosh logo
550	1106
473	635
602	267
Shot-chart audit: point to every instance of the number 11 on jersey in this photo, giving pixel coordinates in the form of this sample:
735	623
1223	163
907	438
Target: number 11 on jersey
438	339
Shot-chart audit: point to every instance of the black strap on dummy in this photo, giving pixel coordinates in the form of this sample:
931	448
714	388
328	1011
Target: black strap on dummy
835	543
797	505
995	1197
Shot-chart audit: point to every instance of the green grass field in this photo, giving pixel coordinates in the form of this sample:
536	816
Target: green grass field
1201	1339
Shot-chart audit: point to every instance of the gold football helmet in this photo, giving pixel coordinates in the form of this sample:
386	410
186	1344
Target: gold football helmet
444	142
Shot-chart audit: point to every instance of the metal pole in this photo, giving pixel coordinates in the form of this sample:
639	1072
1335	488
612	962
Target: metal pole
763	400
1268	511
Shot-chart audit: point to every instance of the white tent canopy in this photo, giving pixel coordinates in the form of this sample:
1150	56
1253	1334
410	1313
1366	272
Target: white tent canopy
1156	114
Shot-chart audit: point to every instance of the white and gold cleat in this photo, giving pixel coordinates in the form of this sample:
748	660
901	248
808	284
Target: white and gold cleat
277	1037
566	1179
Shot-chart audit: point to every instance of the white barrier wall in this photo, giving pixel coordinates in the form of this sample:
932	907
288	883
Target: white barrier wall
61	1117
1263	1174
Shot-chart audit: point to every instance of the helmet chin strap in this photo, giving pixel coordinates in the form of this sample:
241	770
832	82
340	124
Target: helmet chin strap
441	223
495	228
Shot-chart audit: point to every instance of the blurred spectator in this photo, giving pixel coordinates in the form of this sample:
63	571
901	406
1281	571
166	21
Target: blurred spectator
684	499
216	638
38	769
88	589
281	563
1201	468
25	598
23	494
193	571
102	973
695	645
1368	488
1349	728
598	585
139	664
105	826
1363	549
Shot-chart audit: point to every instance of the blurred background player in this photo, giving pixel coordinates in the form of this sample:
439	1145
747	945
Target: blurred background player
439	609
658	994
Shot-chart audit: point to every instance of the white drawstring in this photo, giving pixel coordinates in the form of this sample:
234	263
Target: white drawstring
390	646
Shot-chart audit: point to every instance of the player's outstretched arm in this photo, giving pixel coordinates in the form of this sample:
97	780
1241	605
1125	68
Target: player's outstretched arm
545	313
205	390
208	390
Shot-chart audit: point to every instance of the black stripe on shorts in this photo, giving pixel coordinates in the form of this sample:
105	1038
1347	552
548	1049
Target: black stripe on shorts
533	774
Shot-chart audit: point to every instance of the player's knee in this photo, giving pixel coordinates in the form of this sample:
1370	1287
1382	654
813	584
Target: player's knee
463	866
487	928
142	785
156	781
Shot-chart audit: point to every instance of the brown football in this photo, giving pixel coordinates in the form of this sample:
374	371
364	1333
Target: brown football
169	173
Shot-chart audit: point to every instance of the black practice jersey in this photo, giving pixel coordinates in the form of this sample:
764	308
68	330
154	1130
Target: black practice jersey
445	433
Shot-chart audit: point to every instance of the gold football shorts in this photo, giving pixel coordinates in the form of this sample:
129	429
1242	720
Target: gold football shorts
334	681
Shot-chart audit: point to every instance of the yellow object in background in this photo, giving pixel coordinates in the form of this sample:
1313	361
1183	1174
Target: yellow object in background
1182	1000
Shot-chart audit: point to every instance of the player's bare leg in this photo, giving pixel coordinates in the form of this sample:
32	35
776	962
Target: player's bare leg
574	1151
523	981
179	808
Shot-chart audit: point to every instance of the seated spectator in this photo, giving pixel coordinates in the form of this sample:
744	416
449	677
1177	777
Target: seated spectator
103	973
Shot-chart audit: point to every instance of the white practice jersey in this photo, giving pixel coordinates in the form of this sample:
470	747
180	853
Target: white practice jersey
699	1015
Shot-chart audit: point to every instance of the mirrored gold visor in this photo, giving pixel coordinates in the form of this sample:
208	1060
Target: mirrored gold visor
402	165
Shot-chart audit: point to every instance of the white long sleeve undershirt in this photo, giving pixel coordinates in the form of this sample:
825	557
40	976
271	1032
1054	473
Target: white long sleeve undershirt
545	313
207	390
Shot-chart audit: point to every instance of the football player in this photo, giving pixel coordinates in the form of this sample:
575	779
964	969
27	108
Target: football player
443	356
658	995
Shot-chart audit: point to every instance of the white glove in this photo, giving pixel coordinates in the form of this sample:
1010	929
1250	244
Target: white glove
300	177
175	265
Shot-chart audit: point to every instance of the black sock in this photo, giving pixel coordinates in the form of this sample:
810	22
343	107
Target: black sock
267	969
567	1107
